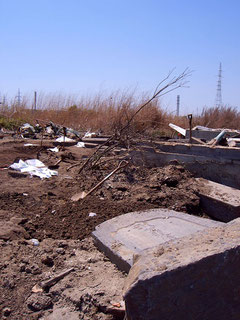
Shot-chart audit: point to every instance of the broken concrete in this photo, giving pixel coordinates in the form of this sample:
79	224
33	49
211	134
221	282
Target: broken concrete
195	277
219	164
219	201
127	235
208	134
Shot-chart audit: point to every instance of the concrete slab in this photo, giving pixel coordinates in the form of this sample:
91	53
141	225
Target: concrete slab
194	277
219	201
127	235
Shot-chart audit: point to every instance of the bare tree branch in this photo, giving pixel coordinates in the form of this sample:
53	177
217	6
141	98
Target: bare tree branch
174	83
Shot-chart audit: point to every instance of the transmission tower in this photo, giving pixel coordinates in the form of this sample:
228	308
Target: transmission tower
219	88
19	98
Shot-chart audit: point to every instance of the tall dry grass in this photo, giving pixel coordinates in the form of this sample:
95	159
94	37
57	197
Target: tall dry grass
111	112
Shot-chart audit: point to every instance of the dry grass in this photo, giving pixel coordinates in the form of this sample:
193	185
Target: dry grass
111	113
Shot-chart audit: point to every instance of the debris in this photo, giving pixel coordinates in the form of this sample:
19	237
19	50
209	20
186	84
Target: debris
27	126
54	149
198	140
202	128
53	280
92	214
27	131
80	144
117	310
29	145
218	138
233	142
89	134
64	139
37	302
34	242
34	167
178	129
83	194
37	289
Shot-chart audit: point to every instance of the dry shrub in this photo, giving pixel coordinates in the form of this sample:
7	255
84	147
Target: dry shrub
220	117
106	113
109	113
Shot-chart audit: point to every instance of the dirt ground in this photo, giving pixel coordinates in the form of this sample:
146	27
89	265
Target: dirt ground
31	208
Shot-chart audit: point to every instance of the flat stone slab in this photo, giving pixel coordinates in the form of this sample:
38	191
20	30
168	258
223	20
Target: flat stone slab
127	235
219	201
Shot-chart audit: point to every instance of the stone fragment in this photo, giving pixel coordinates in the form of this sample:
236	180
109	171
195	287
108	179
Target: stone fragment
62	314
219	201
40	301
48	261
191	278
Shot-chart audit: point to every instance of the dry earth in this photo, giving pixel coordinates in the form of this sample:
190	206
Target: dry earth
31	208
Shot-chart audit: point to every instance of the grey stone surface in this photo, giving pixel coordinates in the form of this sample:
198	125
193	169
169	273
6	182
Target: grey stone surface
219	201
62	314
127	235
208	134
191	278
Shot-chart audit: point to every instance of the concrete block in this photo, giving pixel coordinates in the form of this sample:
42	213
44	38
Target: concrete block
208	134
219	201
127	235
191	278
217	164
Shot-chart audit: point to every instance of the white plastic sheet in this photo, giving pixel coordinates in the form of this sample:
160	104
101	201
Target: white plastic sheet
89	134
34	167
80	144
178	129
92	214
54	149
61	139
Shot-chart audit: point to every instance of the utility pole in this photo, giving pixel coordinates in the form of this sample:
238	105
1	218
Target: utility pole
178	104
219	88
35	100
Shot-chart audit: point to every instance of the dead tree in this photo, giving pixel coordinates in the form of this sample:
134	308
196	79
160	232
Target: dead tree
168	84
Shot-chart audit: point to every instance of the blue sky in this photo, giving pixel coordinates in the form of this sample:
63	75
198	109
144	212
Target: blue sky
83	47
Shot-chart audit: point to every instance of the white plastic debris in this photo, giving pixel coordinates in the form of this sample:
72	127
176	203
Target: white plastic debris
92	214
89	134
178	129
203	128
28	126
34	167
49	130
29	144
61	139
80	144
34	242
54	149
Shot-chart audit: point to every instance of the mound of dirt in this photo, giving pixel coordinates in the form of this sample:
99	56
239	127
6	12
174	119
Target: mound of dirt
31	208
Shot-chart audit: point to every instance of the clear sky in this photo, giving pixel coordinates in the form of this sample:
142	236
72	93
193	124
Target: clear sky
85	46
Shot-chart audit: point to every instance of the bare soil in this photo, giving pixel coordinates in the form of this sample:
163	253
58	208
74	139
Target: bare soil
31	208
